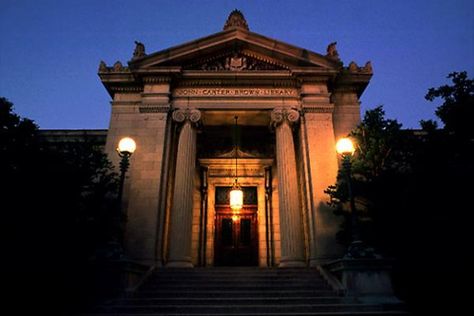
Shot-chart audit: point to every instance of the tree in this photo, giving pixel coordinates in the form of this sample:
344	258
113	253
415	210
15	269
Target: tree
18	140
413	194
57	207
379	155
457	110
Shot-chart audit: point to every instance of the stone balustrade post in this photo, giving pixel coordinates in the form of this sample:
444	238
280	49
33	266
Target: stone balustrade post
291	225
182	208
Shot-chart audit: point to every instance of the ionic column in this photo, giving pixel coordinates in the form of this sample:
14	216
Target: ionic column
291	226
182	209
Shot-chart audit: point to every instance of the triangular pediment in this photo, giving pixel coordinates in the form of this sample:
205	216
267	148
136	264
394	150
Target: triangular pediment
235	50
234	53
235	61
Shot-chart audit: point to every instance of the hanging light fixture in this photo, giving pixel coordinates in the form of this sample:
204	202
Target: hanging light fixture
236	196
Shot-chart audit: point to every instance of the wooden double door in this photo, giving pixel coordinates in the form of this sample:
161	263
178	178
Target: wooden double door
236	237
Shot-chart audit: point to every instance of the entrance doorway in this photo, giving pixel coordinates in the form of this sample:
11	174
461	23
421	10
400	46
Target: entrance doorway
236	235
236	238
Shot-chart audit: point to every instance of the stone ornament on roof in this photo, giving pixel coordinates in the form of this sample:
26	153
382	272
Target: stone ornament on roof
331	52
139	51
236	20
354	68
102	66
117	67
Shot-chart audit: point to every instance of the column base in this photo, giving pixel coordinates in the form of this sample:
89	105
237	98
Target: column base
292	264
179	264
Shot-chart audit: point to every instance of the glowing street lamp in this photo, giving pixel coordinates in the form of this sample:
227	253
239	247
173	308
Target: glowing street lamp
126	147
345	148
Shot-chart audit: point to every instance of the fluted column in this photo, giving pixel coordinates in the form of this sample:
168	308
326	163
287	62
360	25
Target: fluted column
291	226
182	209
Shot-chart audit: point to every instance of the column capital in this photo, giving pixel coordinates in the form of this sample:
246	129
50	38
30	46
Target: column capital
280	115
181	115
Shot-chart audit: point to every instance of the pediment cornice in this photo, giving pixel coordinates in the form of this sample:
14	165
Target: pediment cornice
238	57
257	47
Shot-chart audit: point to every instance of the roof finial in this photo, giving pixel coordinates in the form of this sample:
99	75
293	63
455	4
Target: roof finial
236	20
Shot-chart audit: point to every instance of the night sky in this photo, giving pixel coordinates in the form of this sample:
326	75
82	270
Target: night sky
50	50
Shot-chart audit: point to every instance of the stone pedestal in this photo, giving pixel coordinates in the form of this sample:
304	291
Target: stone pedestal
367	279
182	209
291	227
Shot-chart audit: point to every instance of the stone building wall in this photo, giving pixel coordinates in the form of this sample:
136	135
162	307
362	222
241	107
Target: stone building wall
309	99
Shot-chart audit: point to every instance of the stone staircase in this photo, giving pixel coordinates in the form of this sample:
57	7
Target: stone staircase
239	291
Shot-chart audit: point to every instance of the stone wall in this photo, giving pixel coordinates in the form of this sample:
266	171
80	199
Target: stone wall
142	186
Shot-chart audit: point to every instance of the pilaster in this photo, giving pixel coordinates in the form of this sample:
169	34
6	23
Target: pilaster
131	118
321	171
346	111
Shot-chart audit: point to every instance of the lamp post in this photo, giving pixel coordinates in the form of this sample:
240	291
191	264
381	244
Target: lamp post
125	149
357	249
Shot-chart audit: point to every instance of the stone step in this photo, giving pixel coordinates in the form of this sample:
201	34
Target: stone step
166	280
199	293
235	287
241	308
237	283
363	313
239	291
228	300
233	276
163	276
236	272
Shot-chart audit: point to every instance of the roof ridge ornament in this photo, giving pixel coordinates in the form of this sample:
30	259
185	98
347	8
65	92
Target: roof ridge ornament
236	20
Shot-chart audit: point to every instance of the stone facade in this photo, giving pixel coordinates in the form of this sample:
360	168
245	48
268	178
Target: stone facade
179	106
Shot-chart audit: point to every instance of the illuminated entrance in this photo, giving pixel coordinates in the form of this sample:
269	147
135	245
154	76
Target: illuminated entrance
236	234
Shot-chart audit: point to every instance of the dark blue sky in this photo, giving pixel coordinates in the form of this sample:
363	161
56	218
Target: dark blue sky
50	50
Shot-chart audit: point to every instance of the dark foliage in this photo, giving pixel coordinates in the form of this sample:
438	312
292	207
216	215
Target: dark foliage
413	192
457	110
57	207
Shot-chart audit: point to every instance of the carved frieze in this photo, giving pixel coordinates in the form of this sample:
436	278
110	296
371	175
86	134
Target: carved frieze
235	92
156	79
127	89
236	61
153	109
230	82
319	109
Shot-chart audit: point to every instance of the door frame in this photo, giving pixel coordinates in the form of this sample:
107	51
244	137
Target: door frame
220	173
